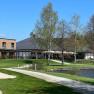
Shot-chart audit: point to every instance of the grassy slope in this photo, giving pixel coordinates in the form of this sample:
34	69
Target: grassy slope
29	85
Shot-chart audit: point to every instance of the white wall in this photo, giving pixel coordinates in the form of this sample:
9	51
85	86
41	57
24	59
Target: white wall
89	56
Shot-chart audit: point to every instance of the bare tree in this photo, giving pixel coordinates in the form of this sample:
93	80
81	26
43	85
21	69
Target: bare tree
60	37
75	27
46	27
89	35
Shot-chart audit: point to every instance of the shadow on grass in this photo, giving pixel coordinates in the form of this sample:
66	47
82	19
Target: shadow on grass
28	61
49	90
35	61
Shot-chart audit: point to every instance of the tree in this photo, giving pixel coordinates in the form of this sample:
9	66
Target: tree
60	37
75	28
89	35
45	27
80	41
34	39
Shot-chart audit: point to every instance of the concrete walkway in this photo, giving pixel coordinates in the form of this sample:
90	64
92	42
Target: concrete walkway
76	85
58	61
6	76
1	92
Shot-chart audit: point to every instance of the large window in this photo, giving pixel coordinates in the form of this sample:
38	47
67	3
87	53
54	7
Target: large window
3	44
12	45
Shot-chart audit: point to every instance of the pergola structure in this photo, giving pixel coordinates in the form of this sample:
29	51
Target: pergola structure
28	53
20	53
7	53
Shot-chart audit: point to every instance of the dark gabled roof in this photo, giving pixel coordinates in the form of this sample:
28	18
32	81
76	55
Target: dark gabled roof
30	44
27	43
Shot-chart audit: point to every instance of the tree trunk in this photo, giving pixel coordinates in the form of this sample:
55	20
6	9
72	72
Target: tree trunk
75	58
62	56
75	48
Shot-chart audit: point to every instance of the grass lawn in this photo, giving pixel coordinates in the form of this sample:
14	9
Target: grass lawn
55	65
5	63
14	63
29	85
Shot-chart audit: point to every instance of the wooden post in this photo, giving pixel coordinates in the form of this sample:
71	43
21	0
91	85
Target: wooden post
35	67
36	55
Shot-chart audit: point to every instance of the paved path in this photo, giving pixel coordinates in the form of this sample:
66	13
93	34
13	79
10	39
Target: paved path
6	76
1	92
58	61
76	85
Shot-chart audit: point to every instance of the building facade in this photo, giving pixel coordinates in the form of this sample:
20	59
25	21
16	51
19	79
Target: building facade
7	48
29	49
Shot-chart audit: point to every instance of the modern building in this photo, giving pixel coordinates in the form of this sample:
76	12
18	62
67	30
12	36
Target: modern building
7	48
29	48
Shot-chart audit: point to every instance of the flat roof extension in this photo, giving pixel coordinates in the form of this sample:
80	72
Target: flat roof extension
7	39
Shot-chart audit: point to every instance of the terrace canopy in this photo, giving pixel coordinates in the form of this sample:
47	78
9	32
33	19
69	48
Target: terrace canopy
58	52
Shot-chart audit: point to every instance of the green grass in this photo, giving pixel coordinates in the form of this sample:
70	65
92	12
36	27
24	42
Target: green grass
42	64
10	63
14	63
29	85
44	61
55	65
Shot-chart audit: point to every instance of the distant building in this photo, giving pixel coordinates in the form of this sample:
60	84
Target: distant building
29	48
89	55
7	48
86	54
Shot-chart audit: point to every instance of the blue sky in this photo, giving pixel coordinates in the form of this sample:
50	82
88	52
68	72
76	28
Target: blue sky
18	17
